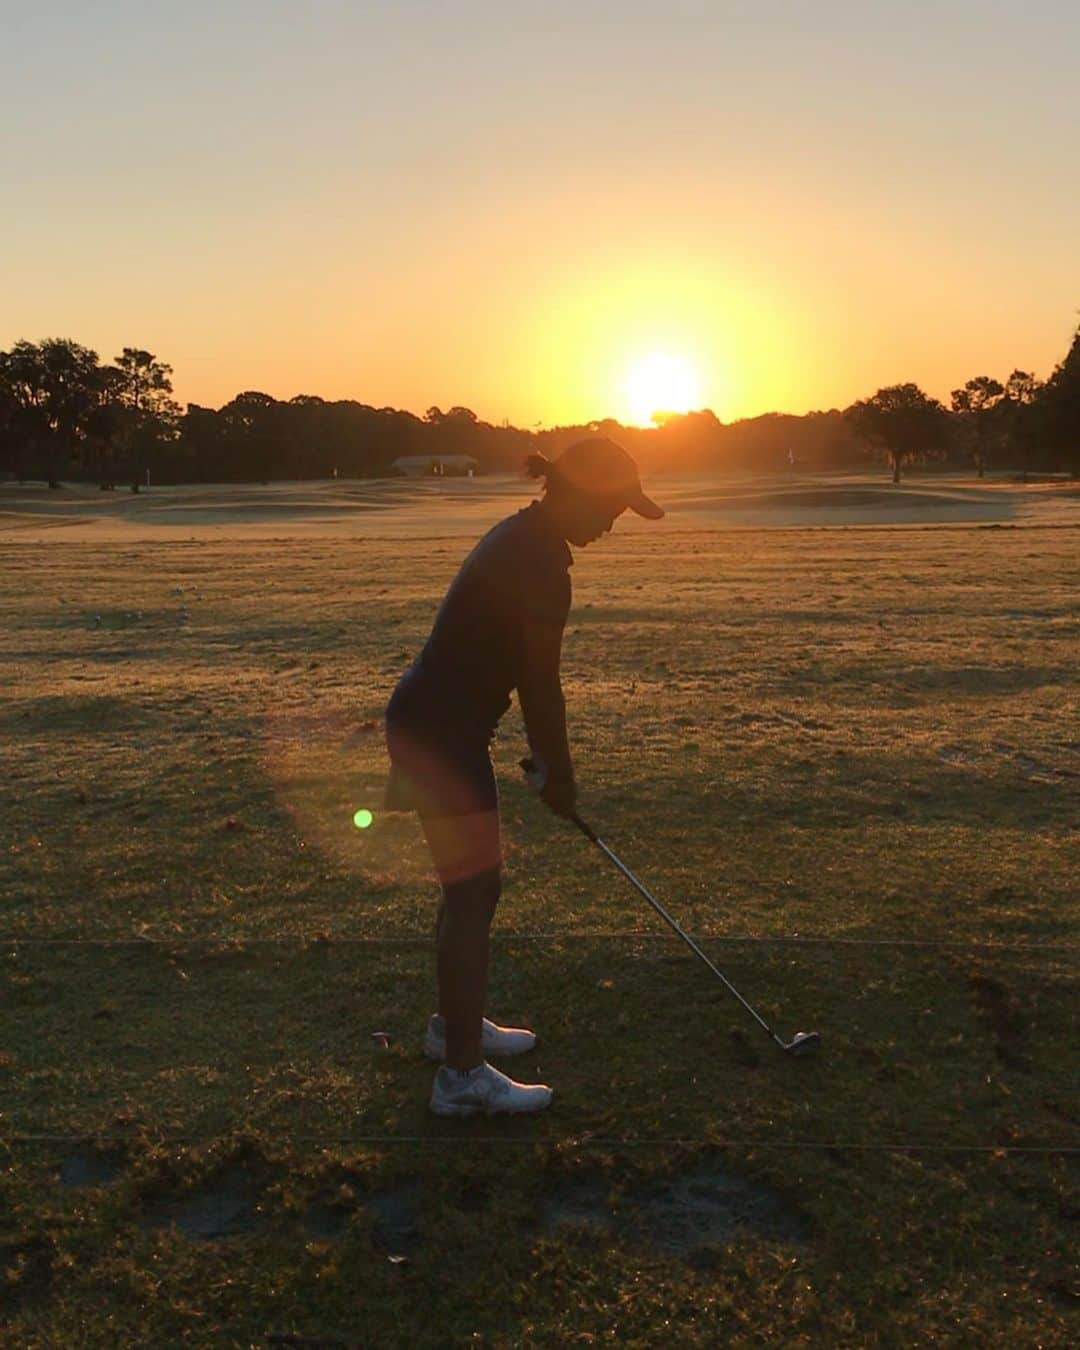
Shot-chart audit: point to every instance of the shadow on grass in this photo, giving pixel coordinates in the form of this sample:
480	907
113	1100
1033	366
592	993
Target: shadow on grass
86	714
834	789
953	681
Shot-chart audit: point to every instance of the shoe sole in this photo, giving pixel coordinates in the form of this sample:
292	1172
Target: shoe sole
462	1111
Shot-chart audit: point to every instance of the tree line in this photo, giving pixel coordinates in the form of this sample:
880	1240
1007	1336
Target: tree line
66	414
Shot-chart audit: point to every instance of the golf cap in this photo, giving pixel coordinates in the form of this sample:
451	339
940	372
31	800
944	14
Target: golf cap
600	468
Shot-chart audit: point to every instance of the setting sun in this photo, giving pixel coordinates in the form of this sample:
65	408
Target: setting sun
660	382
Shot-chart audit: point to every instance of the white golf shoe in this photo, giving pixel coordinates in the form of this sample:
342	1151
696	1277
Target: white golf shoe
494	1041
485	1091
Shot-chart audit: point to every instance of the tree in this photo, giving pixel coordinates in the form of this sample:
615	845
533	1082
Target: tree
23	421
50	388
253	430
1019	417
977	406
199	444
72	386
144	382
690	439
1059	405
901	419
105	427
145	416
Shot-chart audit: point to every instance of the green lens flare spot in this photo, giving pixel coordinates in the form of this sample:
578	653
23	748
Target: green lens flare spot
362	819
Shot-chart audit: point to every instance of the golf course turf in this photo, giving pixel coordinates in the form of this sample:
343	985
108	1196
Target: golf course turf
843	750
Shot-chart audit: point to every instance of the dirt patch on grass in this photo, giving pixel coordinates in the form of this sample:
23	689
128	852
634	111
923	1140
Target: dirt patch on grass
397	1229
683	1216
582	1203
91	1166
709	1206
327	1216
997	1010
396	1211
223	1205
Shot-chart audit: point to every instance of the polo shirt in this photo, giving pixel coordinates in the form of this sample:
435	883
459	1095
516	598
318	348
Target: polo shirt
511	594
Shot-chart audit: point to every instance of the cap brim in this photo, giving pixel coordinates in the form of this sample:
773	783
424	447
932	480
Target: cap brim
645	506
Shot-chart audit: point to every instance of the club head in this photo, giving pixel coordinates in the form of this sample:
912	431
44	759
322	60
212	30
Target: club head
803	1043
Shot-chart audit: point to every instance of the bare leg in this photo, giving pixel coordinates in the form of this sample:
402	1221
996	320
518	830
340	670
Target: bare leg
462	964
467	858
439	916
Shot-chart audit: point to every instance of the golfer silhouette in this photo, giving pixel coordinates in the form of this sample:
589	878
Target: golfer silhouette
499	628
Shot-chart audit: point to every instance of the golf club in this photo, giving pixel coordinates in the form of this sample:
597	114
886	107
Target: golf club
802	1043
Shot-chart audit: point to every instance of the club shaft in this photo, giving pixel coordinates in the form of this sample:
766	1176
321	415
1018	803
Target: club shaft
594	838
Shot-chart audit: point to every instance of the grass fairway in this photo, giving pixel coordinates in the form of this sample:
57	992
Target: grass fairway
848	758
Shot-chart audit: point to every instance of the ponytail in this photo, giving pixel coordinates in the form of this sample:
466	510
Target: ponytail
538	465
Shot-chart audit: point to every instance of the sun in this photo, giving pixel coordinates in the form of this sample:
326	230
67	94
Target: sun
659	382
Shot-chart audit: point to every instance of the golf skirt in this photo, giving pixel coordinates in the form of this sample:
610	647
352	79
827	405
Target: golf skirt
438	766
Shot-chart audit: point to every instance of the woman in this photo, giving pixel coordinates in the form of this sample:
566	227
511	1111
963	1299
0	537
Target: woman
499	628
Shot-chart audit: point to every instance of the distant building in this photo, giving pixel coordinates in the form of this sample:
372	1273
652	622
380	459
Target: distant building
435	466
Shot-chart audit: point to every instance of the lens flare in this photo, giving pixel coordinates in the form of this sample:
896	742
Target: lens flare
333	774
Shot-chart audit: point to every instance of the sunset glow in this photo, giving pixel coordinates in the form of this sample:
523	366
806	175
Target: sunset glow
659	383
593	212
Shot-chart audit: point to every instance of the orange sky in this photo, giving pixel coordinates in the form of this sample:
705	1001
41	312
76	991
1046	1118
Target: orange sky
510	207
